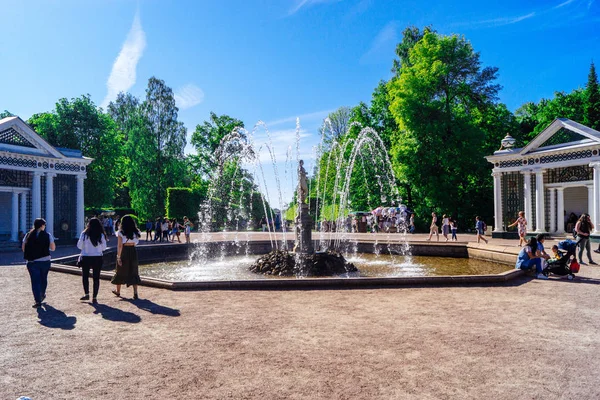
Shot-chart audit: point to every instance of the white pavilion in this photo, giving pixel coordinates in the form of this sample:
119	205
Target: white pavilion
555	175
38	180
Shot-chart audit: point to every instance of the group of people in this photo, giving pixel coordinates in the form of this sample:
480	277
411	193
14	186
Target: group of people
168	229
37	245
450	226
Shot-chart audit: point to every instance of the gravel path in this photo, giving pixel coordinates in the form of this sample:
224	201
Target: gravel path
531	339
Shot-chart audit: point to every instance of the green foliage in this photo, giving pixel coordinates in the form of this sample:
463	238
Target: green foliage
79	124
184	202
207	137
439	98
336	124
155	145
592	100
5	114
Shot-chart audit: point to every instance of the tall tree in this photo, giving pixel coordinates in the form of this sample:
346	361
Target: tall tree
207	137
125	111
436	99
592	100
156	142
336	124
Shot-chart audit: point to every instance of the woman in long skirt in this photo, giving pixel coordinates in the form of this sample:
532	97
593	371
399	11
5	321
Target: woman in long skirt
127	260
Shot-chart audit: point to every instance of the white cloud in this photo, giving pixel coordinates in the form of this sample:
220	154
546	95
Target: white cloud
386	37
563	4
307	3
317	115
188	96
123	74
503	20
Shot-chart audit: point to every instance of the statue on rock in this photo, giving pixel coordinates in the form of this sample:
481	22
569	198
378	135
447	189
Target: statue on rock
303	220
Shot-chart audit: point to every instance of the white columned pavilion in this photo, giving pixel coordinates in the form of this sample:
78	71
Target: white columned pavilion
596	196
50	201
552	192
540	215
527	197
565	160
560	205
497	201
24	158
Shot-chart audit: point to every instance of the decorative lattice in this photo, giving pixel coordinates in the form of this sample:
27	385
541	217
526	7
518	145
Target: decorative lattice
65	207
67	167
571	174
512	196
576	155
511	163
10	136
18	162
563	136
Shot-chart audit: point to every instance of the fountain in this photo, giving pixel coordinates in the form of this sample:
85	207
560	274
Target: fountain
303	261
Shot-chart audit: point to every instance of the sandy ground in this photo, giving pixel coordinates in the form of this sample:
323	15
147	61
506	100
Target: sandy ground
530	339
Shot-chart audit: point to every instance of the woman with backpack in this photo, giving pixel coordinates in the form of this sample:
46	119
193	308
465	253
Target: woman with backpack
37	245
480	229
92	243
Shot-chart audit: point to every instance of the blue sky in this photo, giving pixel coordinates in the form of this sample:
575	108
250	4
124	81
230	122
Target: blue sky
275	60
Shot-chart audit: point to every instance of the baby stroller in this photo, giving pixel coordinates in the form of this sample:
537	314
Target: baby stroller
567	263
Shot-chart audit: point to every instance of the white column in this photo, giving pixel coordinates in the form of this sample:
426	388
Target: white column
552	209
560	209
497	201
80	207
596	197
24	212
540	211
36	197
591	210
14	227
527	196
50	202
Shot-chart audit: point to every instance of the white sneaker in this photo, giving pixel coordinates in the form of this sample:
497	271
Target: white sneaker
542	276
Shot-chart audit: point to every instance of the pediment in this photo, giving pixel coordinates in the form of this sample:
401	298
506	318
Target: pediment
561	133
18	137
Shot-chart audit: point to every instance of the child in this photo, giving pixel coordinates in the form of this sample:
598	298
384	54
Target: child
555	253
480	230
454	228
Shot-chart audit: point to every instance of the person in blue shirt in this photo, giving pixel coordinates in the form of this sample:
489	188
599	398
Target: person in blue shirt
528	258
479	227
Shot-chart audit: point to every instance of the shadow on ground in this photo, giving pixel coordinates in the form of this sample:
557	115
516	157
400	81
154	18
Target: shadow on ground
151	307
51	317
114	314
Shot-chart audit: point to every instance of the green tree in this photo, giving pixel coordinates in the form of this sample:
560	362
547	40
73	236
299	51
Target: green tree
592	100
156	144
207	137
5	114
126	113
437	99
336	124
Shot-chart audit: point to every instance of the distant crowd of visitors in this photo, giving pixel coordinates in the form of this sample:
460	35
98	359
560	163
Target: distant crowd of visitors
162	229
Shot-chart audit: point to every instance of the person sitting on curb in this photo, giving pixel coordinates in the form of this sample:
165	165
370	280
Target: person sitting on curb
528	258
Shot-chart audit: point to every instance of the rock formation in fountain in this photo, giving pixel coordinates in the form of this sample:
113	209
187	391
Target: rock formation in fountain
304	262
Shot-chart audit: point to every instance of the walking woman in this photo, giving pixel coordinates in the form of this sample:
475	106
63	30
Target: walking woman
92	242
37	245
127	259
445	226
433	228
454	228
583	228
521	223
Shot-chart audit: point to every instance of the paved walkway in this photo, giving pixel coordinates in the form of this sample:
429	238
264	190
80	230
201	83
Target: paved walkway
528	339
